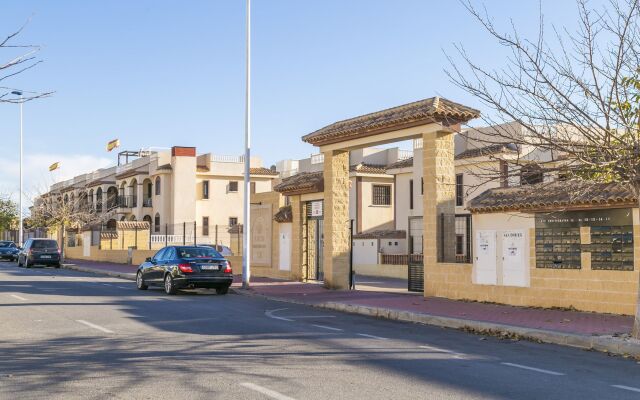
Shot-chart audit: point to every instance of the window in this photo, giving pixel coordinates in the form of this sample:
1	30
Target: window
460	245
170	254
410	194
421	185
149	189
459	190
158	186
530	175
159	256
287	201
156	223
233	221
381	195
205	189
253	187
233	186
205	226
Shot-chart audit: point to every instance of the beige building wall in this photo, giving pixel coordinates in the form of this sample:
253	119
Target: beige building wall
583	289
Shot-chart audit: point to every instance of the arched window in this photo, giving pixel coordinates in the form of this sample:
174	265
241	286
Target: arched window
157	220
158	186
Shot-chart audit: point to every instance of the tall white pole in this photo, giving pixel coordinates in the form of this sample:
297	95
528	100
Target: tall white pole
246	232
20	238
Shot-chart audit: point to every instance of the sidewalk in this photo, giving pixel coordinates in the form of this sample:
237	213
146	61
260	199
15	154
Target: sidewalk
604	332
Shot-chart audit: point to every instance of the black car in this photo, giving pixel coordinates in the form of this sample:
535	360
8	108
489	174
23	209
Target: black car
8	250
185	267
39	251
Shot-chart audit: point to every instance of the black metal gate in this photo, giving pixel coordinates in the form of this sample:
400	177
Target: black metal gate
415	267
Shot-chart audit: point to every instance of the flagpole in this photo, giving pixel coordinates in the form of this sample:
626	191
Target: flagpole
246	248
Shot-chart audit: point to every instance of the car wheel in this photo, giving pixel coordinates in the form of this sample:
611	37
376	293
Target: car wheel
140	281
222	290
169	287
56	265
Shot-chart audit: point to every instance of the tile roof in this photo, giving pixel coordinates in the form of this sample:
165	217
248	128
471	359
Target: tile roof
552	195
284	214
406	163
381	234
435	109
165	167
364	168
139	225
304	182
487	150
262	171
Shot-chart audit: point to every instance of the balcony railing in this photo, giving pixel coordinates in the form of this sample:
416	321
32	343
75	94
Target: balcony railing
147	202
127	201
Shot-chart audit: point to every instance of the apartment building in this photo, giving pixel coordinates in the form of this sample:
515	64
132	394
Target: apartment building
167	189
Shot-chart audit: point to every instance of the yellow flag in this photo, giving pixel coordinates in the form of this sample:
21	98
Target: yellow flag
113	144
54	166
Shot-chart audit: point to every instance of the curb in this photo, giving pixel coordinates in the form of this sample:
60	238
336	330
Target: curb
123	275
605	343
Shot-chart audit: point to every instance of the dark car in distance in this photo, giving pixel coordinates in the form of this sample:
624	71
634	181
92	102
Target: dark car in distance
185	267
8	250
39	251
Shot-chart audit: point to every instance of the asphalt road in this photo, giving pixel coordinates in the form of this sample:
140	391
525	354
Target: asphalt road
70	335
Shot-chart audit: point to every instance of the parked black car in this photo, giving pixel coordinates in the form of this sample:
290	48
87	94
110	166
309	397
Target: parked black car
39	251
8	250
185	267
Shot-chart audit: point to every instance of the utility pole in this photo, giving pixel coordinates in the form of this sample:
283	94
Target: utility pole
20	226
246	248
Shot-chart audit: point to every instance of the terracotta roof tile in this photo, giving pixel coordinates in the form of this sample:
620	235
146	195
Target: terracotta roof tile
368	168
487	150
406	163
262	171
553	195
381	234
421	112
304	182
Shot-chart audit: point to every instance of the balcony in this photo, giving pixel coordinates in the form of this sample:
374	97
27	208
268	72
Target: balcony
127	201
147	202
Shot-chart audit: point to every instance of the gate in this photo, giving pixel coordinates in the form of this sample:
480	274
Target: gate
314	238
415	278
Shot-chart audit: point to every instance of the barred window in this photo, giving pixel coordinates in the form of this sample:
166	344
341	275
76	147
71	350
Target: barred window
381	195
459	190
233	221
205	226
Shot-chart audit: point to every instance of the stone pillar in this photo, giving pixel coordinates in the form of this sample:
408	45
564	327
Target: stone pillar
296	238
438	171
336	254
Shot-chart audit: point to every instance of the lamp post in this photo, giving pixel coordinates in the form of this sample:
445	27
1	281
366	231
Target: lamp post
246	248
20	238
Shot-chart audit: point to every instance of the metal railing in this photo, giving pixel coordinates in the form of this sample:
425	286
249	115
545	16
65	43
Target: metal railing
227	159
127	201
147	202
405	154
317	158
400	259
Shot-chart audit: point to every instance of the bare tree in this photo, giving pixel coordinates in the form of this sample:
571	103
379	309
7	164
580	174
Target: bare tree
19	58
574	96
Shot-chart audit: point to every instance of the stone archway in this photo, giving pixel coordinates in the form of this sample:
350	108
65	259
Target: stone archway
433	120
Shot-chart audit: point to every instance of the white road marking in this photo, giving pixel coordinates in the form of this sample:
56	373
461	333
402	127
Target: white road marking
267	392
94	326
441	350
269	313
371	336
15	296
544	371
123	287
629	388
106	284
310	316
328	327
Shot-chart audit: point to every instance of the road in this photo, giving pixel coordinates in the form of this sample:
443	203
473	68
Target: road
70	335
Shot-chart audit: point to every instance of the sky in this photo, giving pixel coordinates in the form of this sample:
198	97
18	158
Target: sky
159	73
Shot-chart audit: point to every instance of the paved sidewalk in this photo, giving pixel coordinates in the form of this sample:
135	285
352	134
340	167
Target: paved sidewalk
604	332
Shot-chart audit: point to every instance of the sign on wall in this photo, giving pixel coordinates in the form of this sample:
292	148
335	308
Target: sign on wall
575	219
316	208
514	265
261	234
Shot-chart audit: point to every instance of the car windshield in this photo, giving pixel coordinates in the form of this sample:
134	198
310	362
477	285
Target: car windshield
198	252
44	244
6	244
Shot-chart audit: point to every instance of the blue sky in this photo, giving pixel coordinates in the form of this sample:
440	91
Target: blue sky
164	72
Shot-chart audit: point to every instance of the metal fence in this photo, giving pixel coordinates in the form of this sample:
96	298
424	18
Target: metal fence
13	236
454	239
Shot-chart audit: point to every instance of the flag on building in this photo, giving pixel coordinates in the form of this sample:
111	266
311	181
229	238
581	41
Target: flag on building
113	144
54	166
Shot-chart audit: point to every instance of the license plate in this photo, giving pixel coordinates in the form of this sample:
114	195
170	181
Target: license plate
210	267
45	256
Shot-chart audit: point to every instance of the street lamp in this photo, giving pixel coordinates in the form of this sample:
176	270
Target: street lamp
19	93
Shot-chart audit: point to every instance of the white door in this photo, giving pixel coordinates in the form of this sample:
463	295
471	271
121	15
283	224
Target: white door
515	270
285	247
484	262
